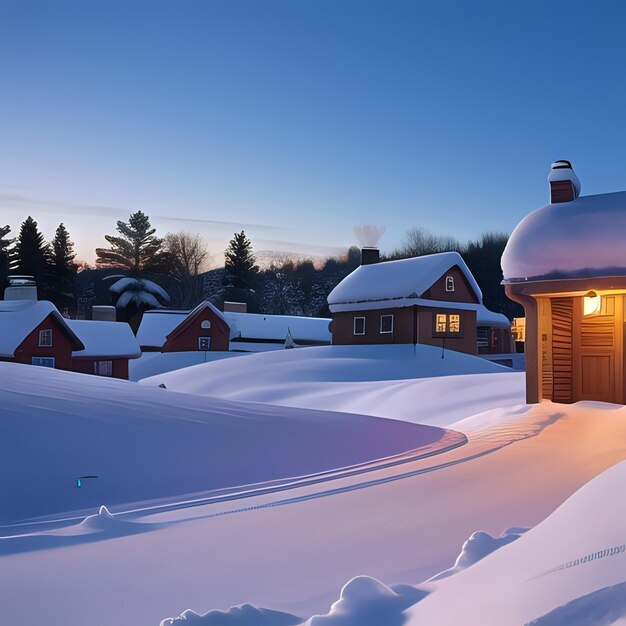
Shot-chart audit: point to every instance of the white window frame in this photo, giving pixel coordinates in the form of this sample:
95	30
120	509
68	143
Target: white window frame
450	283
43	361
103	368
354	326
44	342
208	343
386	332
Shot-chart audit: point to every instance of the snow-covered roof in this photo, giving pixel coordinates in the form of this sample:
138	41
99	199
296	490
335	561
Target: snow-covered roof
18	318
105	339
158	324
276	327
579	239
395	280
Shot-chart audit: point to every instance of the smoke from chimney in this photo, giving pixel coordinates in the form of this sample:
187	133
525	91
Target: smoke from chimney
369	235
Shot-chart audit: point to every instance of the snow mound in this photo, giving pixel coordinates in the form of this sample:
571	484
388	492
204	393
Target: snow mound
551	571
244	615
477	547
600	608
365	601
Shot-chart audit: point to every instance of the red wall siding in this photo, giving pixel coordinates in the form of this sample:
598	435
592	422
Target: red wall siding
61	348
462	289
86	366
187	339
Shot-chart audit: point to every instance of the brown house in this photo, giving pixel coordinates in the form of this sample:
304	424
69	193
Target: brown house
566	264
34	332
431	299
108	347
205	329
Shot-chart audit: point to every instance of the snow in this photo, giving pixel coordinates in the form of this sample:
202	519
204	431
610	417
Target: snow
577	239
147	444
406	279
139	285
157	325
18	318
576	552
560	171
372	380
104	339
153	363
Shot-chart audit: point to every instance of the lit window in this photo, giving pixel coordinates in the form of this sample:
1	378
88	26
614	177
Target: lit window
204	343
43	361
592	303
45	338
386	323
449	283
441	325
103	368
359	325
454	323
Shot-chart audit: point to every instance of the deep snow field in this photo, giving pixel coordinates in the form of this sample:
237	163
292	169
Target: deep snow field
313	515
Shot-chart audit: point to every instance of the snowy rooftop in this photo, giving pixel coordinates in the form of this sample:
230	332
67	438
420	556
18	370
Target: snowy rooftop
398	280
18	318
577	239
156	325
104	338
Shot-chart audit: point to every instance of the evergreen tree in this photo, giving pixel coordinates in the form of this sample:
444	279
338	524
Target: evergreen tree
5	254
32	253
62	269
137	249
240	261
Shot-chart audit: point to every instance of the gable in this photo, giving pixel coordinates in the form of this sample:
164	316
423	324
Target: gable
200	314
463	291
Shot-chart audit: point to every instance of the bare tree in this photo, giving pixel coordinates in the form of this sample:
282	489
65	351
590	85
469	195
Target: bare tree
188	257
419	241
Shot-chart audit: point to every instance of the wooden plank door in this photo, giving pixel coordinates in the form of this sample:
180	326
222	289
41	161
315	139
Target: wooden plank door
599	352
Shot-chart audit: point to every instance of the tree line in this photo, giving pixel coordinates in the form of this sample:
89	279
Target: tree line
178	263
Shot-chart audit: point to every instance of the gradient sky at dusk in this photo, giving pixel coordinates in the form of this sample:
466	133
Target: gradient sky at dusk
300	119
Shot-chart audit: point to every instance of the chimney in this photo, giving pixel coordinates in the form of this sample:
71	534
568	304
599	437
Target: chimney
21	288
564	184
103	313
369	256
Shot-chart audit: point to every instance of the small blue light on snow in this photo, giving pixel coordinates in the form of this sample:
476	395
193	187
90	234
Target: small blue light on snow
78	483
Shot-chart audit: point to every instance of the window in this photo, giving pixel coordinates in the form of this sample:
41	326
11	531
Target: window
359	325
204	343
43	361
103	368
449	283
447	325
205	324
386	323
45	338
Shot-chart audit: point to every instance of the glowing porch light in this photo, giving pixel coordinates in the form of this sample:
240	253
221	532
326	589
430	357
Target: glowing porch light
591	303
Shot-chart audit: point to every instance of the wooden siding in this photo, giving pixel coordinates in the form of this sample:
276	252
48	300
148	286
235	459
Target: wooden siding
562	319
184	338
463	291
86	366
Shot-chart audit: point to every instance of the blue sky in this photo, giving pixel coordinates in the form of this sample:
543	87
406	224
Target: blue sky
300	119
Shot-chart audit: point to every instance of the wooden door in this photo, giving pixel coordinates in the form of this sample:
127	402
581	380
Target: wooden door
599	352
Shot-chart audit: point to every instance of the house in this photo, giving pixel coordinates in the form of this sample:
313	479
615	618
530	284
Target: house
566	264
108	346
167	330
34	332
432	299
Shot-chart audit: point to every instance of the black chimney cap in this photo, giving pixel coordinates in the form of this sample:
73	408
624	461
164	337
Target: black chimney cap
369	256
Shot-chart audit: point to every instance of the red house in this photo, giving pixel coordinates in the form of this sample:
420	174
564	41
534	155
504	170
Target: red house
205	329
34	332
108	347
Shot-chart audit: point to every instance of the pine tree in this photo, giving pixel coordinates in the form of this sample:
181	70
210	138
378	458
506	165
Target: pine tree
136	250
5	254
240	261
32	253
62	269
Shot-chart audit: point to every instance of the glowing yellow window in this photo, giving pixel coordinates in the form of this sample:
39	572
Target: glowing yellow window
455	323
441	324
